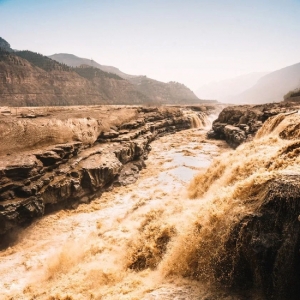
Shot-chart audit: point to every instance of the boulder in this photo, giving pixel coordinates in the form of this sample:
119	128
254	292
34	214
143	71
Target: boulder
234	135
237	124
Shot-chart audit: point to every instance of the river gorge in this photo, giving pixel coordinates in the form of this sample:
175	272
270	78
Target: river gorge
181	217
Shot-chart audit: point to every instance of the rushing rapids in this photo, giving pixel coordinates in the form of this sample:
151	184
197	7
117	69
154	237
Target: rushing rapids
71	159
231	232
111	248
246	232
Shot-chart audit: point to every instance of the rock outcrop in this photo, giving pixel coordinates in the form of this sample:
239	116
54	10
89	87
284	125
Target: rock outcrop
237	124
262	251
65	174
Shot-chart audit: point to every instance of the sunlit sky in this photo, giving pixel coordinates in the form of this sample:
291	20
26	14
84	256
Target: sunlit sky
190	41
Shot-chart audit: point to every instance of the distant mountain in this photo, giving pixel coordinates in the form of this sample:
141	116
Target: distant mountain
293	96
75	61
271	87
161	92
225	90
43	62
171	92
32	79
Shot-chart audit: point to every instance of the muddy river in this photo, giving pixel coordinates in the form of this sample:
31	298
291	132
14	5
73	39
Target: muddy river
117	247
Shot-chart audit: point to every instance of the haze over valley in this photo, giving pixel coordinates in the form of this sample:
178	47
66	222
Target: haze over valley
107	84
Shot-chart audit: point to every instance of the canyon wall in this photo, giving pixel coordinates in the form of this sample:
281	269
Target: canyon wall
57	162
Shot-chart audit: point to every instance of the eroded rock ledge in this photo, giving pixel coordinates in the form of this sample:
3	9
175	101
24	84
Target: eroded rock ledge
237	124
63	175
262	249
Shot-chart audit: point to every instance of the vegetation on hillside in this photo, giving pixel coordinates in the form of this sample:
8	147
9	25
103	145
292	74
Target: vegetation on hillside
48	65
4	54
34	79
41	61
292	94
5	45
7	56
90	73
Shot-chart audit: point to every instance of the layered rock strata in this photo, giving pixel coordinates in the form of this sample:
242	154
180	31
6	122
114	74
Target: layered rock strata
237	124
63	175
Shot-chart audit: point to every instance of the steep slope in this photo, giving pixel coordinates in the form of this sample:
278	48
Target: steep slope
226	89
32	79
293	96
166	93
38	80
272	87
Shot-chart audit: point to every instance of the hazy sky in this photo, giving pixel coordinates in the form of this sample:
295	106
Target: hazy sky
190	41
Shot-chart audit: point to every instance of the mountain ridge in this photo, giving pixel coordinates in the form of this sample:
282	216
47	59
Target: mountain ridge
224	90
271	87
76	61
32	79
161	92
27	84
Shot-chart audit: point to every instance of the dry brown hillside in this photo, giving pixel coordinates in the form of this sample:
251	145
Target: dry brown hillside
161	92
24	84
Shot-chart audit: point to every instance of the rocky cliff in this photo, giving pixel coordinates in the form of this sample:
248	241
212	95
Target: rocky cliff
262	249
79	158
237	124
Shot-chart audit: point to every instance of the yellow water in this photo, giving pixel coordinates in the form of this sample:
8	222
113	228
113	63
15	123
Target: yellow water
230	190
159	238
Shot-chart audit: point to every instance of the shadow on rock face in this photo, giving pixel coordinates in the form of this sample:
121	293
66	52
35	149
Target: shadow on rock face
262	251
